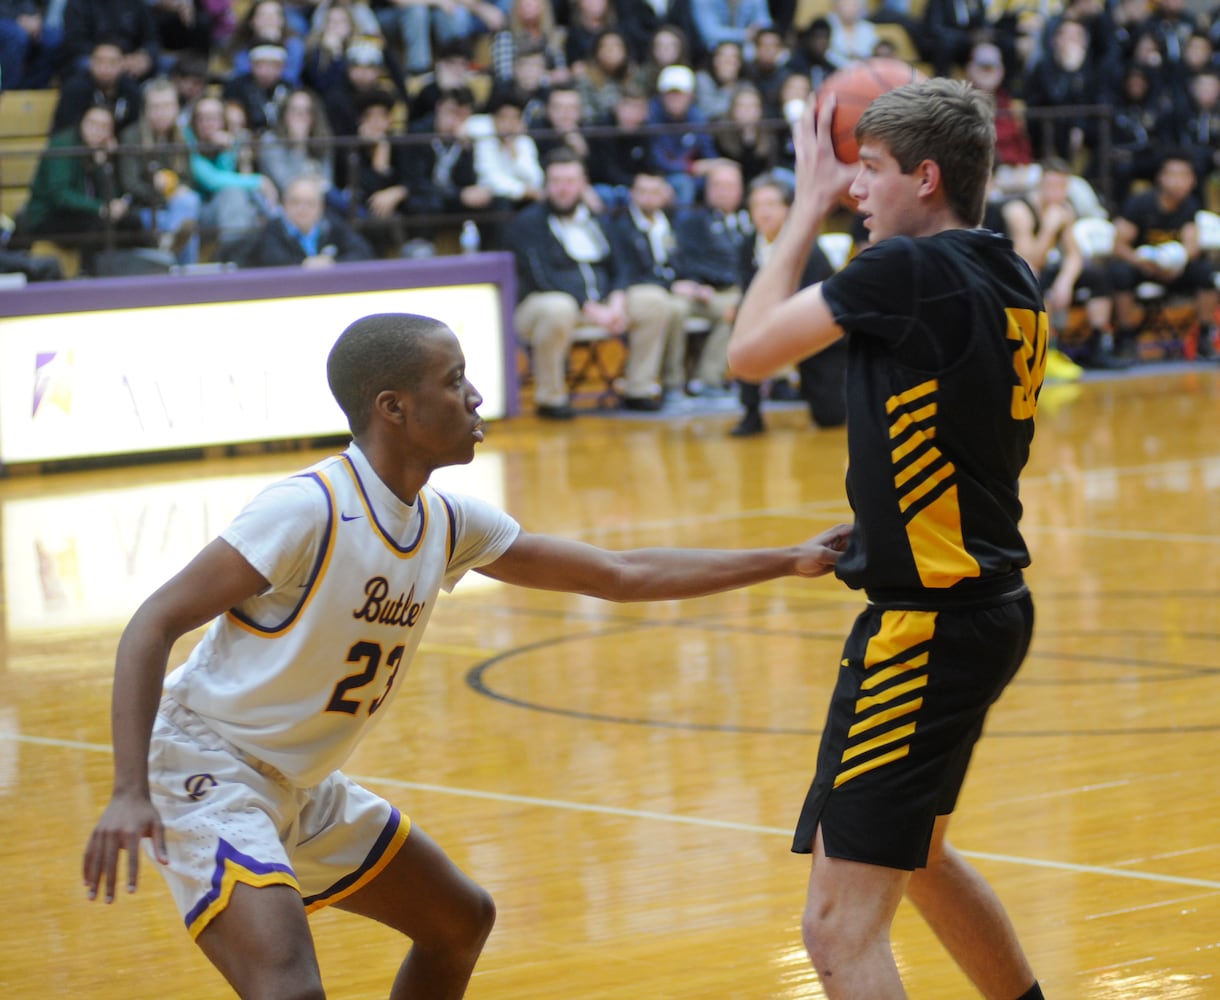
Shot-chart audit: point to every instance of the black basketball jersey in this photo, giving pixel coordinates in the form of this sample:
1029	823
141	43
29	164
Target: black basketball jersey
947	340
1155	225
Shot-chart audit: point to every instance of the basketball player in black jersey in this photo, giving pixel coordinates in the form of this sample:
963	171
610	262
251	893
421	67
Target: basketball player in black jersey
946	338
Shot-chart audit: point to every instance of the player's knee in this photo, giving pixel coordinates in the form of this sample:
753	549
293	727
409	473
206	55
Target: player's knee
284	983
822	934
469	923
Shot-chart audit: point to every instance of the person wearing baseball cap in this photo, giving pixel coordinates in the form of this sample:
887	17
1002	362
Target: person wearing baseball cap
683	151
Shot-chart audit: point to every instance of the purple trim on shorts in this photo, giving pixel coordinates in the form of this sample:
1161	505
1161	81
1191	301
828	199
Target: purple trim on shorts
370	859
226	853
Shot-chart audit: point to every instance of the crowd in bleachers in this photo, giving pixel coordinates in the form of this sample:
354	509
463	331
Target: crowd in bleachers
181	124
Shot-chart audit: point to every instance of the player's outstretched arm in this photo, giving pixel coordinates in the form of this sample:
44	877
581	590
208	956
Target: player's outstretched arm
215	580
546	562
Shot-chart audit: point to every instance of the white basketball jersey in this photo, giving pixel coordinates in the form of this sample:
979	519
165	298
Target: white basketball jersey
295	677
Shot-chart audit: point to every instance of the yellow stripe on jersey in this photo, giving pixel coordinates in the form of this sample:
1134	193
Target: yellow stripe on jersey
912	394
896	659
934	530
235	874
314	582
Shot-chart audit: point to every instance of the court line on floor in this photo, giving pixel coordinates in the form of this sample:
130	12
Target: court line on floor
646	814
720	824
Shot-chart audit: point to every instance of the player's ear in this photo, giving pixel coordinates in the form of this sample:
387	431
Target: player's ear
929	176
388	405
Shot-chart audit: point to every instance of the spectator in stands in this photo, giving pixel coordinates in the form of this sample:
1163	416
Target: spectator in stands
769	69
1014	155
183	25
569	271
1040	227
1163	214
716	84
1201	130
506	159
811	55
128	23
263	89
266	23
641	20
607	71
29	47
529	82
299	145
952	28
76	200
1167	79
1172	23
103	83
616	157
668	47
453	69
441	175
236	199
1139	129
413	24
155	170
1103	51
363	66
378	186
645	233
709	240
325	65
724	21
1064	78
685	149
531	27
189	75
587	19
560	124
853	37
823	376
361	16
303	234
748	142
1199	54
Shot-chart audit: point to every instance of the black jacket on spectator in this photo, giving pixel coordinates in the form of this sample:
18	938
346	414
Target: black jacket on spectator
543	265
436	190
129	22
709	246
79	93
616	158
638	20
262	106
823	375
275	246
639	260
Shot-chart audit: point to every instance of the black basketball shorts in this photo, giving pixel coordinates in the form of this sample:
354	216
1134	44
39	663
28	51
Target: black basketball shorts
913	691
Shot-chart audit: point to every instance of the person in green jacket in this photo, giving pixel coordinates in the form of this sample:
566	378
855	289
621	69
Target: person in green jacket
75	200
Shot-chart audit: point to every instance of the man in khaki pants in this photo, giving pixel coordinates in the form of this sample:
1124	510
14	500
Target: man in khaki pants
570	273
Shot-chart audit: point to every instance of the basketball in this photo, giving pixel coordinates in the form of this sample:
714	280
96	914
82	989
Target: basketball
855	87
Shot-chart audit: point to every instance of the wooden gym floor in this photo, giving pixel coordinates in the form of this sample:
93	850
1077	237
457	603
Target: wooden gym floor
624	778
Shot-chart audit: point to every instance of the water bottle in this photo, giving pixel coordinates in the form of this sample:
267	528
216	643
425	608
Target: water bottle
469	240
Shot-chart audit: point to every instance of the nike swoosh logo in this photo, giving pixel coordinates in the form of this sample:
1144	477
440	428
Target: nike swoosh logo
350	517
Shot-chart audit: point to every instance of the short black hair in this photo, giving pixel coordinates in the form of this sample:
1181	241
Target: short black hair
376	98
376	353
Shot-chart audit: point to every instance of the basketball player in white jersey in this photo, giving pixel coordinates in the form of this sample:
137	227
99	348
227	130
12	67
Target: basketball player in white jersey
318	594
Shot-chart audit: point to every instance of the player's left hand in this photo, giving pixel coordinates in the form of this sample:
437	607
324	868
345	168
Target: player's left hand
821	178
